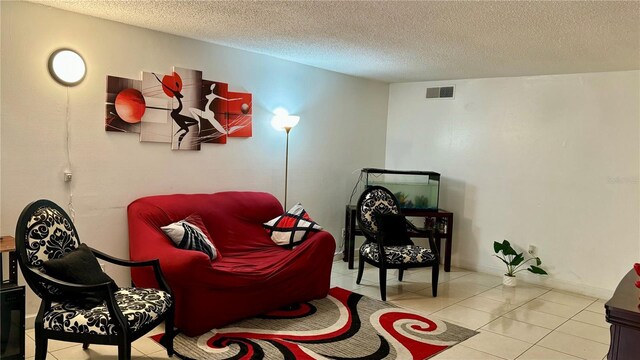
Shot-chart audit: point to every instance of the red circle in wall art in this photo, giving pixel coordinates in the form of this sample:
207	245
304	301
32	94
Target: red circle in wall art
130	105
172	82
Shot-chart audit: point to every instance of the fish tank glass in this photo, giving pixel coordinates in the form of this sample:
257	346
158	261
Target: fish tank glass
418	190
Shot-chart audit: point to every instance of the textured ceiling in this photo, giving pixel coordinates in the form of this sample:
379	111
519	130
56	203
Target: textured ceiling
396	41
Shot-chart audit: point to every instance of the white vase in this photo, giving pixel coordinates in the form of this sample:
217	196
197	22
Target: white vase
509	280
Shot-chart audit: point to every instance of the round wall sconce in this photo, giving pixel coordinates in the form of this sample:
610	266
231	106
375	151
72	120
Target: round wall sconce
67	67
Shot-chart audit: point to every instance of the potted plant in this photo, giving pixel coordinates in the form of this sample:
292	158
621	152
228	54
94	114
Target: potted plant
515	262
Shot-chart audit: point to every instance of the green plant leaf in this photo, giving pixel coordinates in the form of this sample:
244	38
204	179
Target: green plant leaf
519	258
538	261
507	249
497	247
536	270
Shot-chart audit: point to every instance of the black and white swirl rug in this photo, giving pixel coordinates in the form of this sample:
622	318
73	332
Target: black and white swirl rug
344	325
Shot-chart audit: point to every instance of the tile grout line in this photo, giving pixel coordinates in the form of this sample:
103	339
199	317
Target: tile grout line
537	343
559	303
478	294
484	352
578	336
477	329
556	328
562	352
531	345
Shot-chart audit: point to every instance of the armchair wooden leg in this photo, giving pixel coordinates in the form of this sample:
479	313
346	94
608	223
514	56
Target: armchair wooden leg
434	279
85	345
169	332
41	344
124	350
383	284
400	274
360	269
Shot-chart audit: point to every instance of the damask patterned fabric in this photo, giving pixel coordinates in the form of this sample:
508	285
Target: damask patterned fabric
408	254
139	306
50	235
376	201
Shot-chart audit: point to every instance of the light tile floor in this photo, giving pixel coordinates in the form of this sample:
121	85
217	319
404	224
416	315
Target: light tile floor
527	322
524	323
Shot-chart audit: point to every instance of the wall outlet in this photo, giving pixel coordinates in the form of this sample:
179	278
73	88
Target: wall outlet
344	233
533	250
68	176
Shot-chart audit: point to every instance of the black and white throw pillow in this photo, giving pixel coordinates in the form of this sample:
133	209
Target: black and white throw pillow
292	227
191	234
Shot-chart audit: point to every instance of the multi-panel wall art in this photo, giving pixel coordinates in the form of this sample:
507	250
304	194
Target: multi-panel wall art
181	108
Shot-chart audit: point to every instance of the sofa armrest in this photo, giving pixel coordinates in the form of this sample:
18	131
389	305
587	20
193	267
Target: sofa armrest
177	264
147	242
327	241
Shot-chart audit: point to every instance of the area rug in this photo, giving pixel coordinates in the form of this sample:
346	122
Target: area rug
344	325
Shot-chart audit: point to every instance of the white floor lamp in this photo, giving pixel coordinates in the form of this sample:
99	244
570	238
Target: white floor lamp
282	121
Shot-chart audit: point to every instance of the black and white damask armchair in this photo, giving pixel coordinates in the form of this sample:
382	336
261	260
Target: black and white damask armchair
100	313
387	244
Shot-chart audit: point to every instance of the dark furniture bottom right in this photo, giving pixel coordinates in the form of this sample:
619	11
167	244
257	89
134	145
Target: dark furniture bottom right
623	314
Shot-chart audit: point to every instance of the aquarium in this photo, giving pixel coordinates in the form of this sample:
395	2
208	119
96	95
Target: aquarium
414	189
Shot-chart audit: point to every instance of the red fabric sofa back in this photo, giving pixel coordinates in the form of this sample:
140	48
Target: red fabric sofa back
234	219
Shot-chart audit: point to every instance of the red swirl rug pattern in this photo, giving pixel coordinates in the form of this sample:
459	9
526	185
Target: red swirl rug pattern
344	325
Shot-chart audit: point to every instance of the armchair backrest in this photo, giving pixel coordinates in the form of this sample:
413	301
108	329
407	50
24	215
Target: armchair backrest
44	231
375	200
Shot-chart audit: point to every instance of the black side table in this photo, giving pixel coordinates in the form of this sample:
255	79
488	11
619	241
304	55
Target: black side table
623	313
12	327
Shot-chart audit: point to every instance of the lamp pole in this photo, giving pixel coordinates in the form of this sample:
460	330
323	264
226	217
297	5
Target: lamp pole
283	121
286	167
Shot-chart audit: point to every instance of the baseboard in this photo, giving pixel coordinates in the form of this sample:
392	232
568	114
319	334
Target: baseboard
546	281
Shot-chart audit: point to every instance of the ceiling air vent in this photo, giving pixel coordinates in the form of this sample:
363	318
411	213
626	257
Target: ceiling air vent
441	92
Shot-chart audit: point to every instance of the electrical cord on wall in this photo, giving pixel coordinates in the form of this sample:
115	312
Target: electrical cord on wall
353	192
72	211
355	187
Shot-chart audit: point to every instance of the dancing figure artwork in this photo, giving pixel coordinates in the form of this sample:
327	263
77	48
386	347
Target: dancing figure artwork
184	122
180	108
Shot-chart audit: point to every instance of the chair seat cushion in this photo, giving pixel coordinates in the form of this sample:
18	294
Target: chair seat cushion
139	306
396	255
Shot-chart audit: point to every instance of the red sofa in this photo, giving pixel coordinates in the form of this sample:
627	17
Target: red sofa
254	275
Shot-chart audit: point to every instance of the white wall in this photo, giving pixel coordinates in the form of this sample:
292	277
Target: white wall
546	160
342	127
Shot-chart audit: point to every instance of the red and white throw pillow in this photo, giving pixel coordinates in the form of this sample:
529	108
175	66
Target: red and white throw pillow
292	227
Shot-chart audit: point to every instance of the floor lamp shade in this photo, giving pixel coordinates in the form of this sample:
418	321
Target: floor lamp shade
283	121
